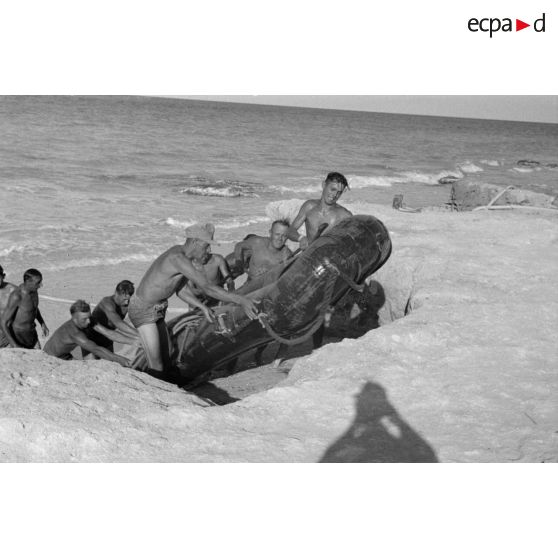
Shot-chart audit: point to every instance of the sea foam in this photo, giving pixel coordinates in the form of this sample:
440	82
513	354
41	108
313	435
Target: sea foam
238	223
469	167
229	192
179	224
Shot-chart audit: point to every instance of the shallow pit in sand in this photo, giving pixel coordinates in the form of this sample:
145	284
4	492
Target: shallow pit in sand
353	317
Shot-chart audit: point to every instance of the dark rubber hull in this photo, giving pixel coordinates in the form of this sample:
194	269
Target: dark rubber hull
295	298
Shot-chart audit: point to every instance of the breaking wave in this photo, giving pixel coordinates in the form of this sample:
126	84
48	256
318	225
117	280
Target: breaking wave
238	223
469	167
7	251
225	188
179	224
215	192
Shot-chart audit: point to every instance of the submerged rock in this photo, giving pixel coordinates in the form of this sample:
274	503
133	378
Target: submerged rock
528	163
448	179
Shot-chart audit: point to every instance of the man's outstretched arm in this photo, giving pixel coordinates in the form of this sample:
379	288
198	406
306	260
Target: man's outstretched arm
115	335
184	265
118	322
86	344
191	299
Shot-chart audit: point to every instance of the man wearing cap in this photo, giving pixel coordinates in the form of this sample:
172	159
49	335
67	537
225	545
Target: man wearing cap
325	211
168	275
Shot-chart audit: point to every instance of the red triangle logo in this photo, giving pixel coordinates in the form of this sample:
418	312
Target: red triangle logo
519	25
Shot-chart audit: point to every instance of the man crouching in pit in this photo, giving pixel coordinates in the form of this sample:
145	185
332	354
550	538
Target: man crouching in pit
168	275
77	333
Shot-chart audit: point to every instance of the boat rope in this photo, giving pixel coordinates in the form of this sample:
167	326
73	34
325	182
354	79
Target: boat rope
344	276
67	301
263	318
328	295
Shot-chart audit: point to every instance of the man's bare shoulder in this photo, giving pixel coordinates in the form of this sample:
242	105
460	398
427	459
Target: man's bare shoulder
172	255
16	294
107	302
65	331
254	240
217	258
343	212
6	290
308	205
7	287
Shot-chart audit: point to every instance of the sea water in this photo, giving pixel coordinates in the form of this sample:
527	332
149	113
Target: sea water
92	189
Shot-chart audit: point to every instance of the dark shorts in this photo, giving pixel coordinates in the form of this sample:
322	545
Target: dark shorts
141	312
27	338
101	340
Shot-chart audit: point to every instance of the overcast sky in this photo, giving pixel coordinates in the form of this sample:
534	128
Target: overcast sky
498	107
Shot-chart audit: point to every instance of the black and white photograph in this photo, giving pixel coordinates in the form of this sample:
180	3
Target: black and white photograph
278	279
189	280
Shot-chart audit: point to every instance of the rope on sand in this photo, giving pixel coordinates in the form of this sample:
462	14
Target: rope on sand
66	301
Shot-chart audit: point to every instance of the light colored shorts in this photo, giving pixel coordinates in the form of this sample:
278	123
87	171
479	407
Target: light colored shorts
142	312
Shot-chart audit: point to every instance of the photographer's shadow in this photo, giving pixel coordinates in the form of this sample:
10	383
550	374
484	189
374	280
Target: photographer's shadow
378	434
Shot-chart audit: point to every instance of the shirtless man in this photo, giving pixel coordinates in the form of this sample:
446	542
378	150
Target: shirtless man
326	210
6	290
166	276
18	319
110	313
266	253
217	272
77	333
320	214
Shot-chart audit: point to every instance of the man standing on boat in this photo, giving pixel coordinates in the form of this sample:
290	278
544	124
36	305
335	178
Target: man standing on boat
166	276
325	211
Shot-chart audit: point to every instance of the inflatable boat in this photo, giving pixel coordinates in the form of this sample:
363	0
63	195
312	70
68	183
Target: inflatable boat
292	299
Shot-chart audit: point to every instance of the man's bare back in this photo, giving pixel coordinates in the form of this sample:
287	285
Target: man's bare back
165	276
64	340
77	332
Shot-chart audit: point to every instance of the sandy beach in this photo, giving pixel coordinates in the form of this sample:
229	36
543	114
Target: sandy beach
467	375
